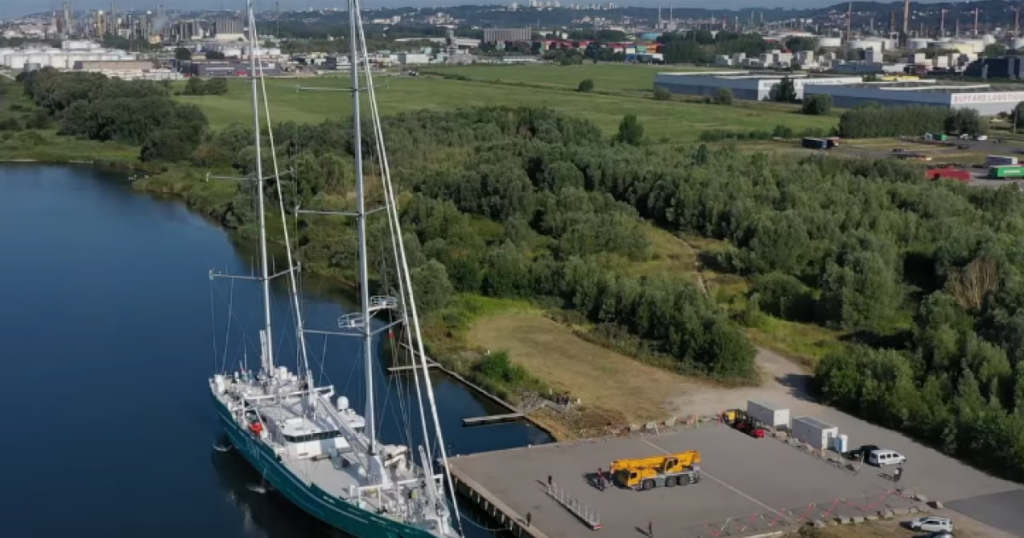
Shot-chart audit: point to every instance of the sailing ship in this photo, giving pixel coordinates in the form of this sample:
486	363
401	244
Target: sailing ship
306	441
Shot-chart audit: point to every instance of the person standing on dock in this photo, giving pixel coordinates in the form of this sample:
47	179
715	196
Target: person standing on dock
529	518
600	479
549	481
650	529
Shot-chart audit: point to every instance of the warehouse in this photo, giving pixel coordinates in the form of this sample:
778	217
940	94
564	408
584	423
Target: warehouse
743	84
987	99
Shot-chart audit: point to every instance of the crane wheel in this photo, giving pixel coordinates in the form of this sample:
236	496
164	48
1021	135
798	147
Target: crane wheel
648	484
683	480
670	481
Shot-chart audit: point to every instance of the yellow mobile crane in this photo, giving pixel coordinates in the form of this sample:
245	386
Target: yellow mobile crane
658	471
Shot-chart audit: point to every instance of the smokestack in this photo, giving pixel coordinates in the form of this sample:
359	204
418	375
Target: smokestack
976	10
849	21
942	24
892	22
906	18
1016	22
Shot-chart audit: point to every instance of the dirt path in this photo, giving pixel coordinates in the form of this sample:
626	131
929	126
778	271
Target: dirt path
783	382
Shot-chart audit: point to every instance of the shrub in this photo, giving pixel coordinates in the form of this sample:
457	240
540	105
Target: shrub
722	96
586	85
818	105
661	94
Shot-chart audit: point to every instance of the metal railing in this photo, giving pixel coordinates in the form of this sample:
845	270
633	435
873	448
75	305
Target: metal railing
585	514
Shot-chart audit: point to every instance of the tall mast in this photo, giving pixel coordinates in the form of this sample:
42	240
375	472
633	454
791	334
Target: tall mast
267	340
364	279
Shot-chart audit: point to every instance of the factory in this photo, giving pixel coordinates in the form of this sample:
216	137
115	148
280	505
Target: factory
71	51
987	99
747	85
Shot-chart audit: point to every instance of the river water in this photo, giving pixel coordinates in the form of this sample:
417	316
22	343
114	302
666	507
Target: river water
110	328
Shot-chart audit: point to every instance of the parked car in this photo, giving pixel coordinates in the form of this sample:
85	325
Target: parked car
861	453
932	524
882	458
981	138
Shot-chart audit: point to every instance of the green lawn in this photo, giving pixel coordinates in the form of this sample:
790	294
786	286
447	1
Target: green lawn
619	77
663	120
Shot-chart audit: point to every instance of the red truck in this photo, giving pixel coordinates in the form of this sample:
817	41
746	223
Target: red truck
955	174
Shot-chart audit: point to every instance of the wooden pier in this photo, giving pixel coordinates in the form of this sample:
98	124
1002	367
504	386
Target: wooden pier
408	367
492	419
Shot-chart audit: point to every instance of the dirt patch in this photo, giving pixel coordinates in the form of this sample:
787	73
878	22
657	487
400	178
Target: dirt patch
601	378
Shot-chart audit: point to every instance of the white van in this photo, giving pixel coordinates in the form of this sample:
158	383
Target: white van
882	458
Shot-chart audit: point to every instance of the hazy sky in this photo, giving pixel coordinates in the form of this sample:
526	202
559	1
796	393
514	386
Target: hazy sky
11	8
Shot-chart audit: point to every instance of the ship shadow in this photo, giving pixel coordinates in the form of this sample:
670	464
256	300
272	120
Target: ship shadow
273	514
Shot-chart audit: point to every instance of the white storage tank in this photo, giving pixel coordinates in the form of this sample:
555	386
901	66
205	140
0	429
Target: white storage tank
917	43
769	414
17	61
841	444
816	433
988	39
829	42
1017	43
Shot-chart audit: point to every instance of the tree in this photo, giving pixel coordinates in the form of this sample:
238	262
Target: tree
214	55
785	91
182	54
630	131
1018	115
661	94
994	50
433	289
216	86
722	96
965	121
195	86
585	85
817	105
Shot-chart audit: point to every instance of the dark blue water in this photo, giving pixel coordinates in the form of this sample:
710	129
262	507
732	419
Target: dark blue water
107	338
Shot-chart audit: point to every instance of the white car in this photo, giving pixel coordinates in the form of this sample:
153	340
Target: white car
981	138
932	524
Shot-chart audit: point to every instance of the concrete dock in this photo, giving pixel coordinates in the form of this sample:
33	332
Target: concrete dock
749	486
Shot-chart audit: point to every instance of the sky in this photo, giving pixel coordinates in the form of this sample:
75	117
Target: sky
13	8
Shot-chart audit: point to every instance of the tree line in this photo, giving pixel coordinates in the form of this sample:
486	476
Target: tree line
873	120
140	113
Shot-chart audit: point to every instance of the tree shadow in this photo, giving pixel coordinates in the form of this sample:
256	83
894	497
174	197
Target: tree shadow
798	385
900	339
713	262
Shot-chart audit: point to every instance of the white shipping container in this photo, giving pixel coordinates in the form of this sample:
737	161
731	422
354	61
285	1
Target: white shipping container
768	414
814	432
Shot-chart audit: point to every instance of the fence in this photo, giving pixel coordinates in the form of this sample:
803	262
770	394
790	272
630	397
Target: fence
585	514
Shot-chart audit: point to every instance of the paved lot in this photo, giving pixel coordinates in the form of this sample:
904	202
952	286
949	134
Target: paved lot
748	485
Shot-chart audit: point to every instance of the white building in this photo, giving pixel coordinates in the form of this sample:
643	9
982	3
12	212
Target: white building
987	99
743	84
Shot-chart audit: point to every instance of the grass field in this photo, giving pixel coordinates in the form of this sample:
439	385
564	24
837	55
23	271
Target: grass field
617	77
619	388
664	121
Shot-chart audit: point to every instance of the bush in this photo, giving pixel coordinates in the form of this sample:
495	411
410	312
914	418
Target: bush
586	85
818	105
661	94
498	367
722	96
10	124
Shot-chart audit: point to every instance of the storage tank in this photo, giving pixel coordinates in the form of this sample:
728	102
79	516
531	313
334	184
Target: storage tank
830	42
988	39
917	43
1017	43
41	59
864	44
17	61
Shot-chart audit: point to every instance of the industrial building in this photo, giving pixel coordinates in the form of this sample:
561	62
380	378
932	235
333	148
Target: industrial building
71	51
743	84
504	35
229	69
1006	67
987	99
